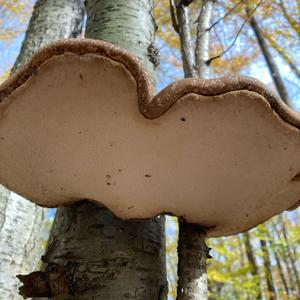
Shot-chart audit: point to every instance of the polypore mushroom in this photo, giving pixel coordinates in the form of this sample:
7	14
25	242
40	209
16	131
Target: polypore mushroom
79	121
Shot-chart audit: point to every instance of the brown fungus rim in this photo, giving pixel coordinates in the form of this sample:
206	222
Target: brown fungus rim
151	106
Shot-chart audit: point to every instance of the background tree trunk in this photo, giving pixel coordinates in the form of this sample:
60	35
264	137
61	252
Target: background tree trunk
252	263
271	294
274	72
98	255
21	221
181	24
278	262
50	21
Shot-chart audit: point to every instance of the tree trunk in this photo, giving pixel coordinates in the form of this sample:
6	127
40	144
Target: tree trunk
202	42
181	23
278	263
50	21
252	262
128	24
290	254
192	249
20	220
192	254
92	253
268	271
275	74
284	257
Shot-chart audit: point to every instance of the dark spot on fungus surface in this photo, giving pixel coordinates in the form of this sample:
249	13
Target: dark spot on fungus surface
108	178
183	119
79	132
147	175
120	170
296	178
61	188
130	207
247	215
2	138
80	76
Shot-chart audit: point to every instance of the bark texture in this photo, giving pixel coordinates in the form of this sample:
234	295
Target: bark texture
192	255
20	240
203	40
275	74
183	29
50	21
92	253
20	220
95	255
128	24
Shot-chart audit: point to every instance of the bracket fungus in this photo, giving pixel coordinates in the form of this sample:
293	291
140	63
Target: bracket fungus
80	121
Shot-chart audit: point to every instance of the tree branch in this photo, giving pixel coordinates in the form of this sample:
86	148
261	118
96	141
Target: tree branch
192	255
183	2
294	24
174	16
223	17
237	34
180	21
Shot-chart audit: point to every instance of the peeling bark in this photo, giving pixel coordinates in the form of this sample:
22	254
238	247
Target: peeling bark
20	242
20	220
95	255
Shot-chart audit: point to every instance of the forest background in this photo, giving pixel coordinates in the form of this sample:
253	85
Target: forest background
263	263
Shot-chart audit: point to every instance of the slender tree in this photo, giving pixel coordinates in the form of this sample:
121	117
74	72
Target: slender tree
181	24
278	262
20	220
283	256
273	69
203	39
99	255
252	262
192	249
271	293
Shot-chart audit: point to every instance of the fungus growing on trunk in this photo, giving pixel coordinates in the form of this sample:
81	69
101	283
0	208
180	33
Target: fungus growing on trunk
80	121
